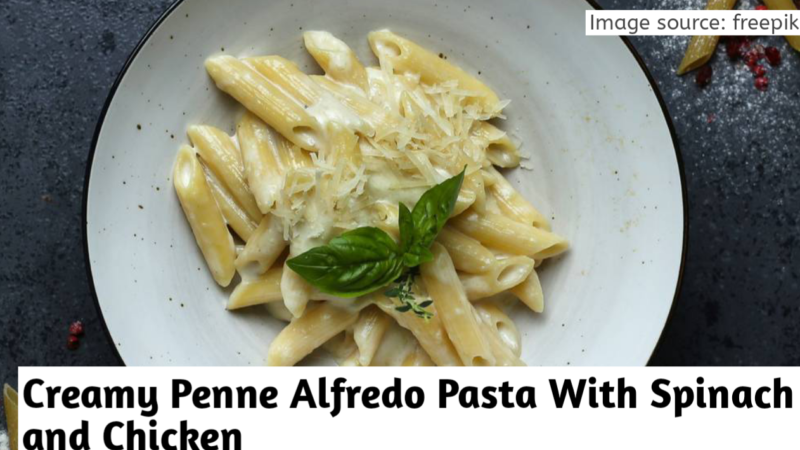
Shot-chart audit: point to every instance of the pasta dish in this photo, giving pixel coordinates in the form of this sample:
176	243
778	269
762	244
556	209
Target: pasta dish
366	206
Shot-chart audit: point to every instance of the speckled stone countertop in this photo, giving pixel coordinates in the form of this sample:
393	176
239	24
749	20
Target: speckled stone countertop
740	302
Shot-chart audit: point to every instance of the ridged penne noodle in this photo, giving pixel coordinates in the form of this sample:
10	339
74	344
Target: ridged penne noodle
701	48
474	183
305	334
457	314
12	415
204	217
337	59
264	99
468	254
295	290
379	119
503	275
430	333
502	354
241	223
399	348
785	5
406	56
512	203
263	248
343	349
278	310
368	333
287	77
508	235
500	151
265	288
501	325
222	157
466	198
530	292
263	155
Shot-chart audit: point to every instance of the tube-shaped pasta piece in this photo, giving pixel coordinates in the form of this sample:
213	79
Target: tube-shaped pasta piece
457	314
501	325
343	349
466	198
295	290
468	254
474	183
530	292
12	415
263	159
368	333
503	275
406	56
500	151
204	216
701	48
322	105
508	235
512	203
337	59
264	99
278	310
502	354
263	249
304	334
234	215
430	333
265	288
779	5
223	158
287	76
379	119
418	358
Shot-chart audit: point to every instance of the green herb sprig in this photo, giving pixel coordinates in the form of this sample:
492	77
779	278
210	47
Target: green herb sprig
404	293
366	259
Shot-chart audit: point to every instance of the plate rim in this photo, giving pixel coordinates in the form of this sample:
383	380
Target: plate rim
168	12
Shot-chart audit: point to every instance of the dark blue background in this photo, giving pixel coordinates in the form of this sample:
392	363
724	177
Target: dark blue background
59	58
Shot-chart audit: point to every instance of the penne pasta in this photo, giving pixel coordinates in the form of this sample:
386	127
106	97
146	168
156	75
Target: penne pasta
500	151
222	157
503	275
512	203
701	48
405	56
530	292
337	59
457	314
785	5
278	311
400	348
263	153
502	233
287	77
501	325
296	292
264	247
236	218
204	216
265	288
267	101
379	119
368	333
468	254
305	334
343	349
12	415
430	333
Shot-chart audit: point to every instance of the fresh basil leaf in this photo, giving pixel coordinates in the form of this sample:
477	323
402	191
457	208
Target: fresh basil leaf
429	216
406	225
355	263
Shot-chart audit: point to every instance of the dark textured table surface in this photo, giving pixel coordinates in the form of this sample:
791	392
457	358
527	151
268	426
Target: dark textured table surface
740	301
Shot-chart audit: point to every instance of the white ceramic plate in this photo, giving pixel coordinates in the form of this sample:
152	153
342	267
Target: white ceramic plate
605	168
